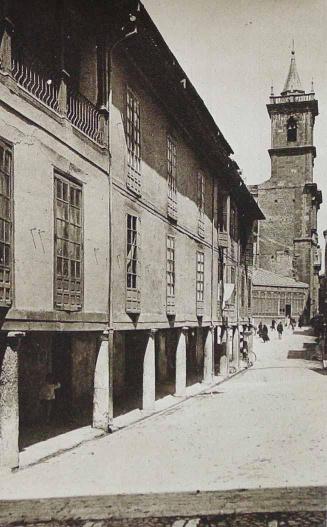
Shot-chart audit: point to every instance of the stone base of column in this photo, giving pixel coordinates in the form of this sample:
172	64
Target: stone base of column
9	417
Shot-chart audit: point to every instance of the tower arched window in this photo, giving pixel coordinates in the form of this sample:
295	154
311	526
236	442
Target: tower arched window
291	130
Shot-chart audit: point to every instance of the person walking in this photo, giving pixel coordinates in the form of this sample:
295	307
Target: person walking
260	329
280	329
273	324
264	334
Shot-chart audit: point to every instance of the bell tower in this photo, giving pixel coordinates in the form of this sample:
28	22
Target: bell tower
287	239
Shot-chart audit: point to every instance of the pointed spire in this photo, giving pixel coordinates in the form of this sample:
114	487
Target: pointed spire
293	83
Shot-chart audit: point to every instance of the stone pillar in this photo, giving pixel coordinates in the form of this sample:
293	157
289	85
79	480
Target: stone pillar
103	384
149	374
181	364
63	93
6	44
236	347
209	357
229	348
162	357
9	405
224	359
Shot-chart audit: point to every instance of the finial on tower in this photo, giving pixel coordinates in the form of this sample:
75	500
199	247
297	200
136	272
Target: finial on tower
293	47
312	86
272	89
293	83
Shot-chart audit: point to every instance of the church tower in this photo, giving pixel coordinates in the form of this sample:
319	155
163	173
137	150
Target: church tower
287	240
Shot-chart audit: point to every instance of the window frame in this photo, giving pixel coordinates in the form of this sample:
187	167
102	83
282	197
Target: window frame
200	276
71	183
133	140
7	284
171	152
170	272
291	130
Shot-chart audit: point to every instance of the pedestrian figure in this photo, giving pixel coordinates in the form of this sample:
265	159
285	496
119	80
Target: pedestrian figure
300	321
47	397
264	334
273	324
292	323
280	329
260	329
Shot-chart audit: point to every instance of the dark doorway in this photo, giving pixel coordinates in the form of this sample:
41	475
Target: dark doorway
288	310
195	355
128	394
166	348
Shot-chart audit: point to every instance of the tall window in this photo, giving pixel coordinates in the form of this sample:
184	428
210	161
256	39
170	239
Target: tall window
220	277
249	293
233	229
291	130
200	199
68	244
132	264
133	137
6	172
170	274
172	177
222	211
199	276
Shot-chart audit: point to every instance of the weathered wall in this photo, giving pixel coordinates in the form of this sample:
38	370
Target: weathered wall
42	144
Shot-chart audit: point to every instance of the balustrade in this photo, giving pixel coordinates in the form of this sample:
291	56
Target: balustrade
47	89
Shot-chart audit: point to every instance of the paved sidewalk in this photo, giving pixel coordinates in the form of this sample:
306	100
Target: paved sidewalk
265	428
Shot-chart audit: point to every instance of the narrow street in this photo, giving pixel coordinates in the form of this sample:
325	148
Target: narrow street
263	428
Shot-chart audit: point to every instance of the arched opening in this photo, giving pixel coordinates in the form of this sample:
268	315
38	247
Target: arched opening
291	130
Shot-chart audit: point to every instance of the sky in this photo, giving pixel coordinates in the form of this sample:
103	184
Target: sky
233	51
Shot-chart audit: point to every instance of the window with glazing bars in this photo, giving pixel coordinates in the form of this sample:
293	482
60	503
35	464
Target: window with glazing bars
132	262
68	244
170	267
222	213
199	276
201	203
171	172
133	137
6	172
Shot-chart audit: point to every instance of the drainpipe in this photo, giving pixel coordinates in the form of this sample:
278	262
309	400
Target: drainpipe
110	330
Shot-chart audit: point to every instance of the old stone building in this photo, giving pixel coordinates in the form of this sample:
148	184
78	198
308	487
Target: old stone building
287	241
125	263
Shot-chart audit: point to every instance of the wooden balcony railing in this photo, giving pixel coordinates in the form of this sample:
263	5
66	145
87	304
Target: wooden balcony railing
40	85
47	89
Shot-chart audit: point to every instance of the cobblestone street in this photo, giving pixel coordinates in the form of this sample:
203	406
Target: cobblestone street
263	428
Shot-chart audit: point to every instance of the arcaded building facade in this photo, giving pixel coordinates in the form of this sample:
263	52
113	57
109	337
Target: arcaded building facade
126	255
287	242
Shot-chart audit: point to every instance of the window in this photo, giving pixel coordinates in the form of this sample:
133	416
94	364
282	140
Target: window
222	211
200	199
6	170
220	276
199	276
68	244
133	137
133	297
233	229
170	274
171	177
291	130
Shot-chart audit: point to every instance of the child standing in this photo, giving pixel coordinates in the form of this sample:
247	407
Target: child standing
47	396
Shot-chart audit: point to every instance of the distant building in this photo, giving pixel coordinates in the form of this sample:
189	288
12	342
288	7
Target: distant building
276	297
287	241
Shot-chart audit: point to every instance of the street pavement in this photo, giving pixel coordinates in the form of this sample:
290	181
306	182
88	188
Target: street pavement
263	428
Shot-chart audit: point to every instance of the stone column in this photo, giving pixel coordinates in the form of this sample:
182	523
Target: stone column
181	364
103	384
229	348
9	404
149	374
236	347
6	44
209	357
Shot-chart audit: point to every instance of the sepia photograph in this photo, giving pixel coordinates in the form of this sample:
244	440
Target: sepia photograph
163	263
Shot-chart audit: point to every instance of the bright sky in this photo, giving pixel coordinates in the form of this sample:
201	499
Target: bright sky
232	50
